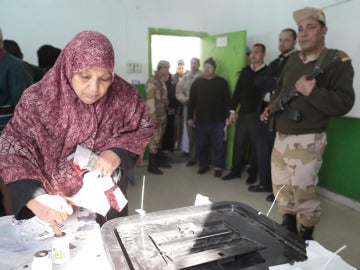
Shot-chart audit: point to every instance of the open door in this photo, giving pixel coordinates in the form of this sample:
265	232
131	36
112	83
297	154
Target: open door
229	51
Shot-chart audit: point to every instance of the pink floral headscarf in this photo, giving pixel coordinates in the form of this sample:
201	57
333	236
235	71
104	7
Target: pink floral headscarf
50	120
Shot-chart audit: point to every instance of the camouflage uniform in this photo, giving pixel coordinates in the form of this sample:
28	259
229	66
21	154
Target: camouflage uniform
158	102
295	162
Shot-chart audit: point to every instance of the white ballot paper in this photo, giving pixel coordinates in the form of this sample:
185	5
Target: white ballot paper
318	258
97	193
91	196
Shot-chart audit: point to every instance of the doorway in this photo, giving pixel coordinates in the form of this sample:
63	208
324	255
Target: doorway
173	45
173	49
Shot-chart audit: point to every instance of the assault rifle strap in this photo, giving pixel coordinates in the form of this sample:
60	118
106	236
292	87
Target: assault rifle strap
320	59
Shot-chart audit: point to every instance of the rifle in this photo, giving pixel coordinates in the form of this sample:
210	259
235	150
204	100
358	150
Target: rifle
283	103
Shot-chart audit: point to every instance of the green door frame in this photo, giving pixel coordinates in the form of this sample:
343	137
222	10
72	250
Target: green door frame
169	32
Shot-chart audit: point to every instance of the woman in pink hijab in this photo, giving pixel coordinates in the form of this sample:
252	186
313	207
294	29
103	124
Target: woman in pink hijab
80	101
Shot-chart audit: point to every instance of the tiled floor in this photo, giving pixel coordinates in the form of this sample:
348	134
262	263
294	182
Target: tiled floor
178	186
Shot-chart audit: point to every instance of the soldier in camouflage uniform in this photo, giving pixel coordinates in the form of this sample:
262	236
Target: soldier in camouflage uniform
157	101
301	124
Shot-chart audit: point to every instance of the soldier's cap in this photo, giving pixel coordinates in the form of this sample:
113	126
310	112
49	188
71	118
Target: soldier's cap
210	61
309	13
163	63
181	62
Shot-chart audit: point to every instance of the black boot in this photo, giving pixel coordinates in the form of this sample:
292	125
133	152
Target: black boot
232	174
306	233
153	166
289	222
162	160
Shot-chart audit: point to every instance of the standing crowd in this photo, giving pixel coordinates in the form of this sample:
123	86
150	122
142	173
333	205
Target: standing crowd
280	112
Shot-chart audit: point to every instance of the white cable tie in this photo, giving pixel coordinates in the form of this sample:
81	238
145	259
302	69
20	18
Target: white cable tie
141	211
273	203
142	193
333	255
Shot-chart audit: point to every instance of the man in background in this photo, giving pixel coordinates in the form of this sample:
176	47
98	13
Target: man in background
247	96
47	56
158	103
208	110
13	48
180	72
178	122
14	79
183	95
267	83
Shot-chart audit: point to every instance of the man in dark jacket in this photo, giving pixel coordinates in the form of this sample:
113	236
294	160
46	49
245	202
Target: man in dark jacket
247	96
13	48
209	103
267	83
14	79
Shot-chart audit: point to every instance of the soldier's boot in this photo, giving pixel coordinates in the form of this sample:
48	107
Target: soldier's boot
289	222
153	166
162	160
306	233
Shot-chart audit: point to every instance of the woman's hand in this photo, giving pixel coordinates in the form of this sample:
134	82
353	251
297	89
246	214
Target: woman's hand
52	209
107	162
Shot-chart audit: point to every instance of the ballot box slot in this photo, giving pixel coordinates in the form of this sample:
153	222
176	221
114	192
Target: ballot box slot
193	244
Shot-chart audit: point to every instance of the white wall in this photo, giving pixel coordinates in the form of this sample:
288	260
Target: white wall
126	22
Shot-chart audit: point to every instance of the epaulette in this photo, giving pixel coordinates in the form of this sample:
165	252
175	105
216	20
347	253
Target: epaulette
294	53
343	56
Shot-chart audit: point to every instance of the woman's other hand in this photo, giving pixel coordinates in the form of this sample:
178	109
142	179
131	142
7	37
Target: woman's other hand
107	162
52	209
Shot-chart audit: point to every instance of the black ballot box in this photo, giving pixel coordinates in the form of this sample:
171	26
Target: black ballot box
222	235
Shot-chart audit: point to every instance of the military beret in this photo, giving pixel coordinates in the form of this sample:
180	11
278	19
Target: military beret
308	13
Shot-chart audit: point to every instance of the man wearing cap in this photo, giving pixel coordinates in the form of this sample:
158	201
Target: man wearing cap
302	119
209	105
158	103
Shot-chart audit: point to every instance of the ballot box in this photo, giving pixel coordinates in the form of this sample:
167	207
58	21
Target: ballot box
221	235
